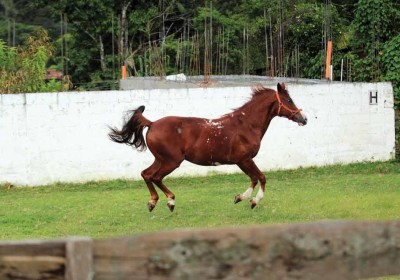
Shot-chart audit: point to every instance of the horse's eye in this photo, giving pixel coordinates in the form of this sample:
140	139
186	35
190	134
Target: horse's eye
289	100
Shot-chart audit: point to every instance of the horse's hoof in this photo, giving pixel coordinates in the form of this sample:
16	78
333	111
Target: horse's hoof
238	198
253	204
150	206
171	207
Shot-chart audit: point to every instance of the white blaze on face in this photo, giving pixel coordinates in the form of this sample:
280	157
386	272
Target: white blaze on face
247	193
303	115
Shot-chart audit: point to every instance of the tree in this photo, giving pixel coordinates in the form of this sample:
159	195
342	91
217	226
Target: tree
374	24
23	69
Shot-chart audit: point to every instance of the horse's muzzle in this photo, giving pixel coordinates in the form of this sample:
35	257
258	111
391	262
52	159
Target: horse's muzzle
300	118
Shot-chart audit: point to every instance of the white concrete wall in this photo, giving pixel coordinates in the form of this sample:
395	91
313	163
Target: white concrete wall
52	137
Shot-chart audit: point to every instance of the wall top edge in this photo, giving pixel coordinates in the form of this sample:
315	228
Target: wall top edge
103	96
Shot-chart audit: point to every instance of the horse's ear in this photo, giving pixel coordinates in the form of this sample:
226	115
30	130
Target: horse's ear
281	87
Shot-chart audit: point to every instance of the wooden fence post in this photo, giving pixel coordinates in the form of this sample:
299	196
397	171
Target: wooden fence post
79	259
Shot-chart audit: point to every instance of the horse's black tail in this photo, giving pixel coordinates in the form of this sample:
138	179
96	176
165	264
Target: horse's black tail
131	132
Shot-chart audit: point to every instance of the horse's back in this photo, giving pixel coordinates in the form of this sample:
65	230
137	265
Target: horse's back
173	133
176	125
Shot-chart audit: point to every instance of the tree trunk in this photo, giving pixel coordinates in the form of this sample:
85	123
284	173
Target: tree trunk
101	46
123	34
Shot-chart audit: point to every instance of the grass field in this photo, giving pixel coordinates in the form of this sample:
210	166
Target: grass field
112	208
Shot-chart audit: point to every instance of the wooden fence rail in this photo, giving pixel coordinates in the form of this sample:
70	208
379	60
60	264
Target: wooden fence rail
321	250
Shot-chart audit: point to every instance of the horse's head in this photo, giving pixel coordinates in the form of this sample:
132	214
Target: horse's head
287	108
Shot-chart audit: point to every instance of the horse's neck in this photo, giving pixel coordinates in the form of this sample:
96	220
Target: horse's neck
258	117
265	116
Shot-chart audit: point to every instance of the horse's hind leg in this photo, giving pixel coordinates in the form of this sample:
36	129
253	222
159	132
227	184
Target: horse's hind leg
148	175
165	169
251	170
167	148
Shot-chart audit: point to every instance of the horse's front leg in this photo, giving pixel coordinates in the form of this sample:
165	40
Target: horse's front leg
260	193
251	170
247	194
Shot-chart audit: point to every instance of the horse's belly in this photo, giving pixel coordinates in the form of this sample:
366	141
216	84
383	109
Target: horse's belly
208	156
214	151
208	161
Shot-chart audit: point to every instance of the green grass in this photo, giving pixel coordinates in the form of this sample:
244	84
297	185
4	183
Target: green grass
113	208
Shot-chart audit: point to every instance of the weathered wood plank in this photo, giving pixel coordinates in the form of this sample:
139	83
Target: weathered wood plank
32	248
28	267
121	276
128	266
79	259
329	250
31	260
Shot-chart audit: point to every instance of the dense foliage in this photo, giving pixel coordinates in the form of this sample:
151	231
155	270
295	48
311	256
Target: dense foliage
269	37
22	69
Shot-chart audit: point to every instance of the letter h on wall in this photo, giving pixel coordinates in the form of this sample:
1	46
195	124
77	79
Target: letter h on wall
373	97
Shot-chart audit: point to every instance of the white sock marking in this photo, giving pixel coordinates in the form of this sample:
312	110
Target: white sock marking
171	201
247	193
259	196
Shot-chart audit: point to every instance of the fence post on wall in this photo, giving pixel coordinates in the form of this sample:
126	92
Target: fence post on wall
328	74
79	259
123	72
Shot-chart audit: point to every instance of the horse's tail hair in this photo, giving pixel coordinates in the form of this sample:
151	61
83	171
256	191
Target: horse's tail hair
131	132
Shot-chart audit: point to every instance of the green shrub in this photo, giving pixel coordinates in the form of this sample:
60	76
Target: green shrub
23	68
391	65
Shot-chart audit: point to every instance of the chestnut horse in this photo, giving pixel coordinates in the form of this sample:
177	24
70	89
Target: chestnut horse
231	139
